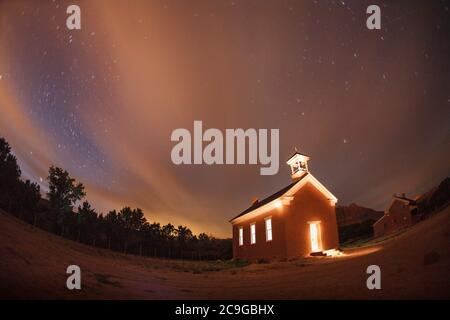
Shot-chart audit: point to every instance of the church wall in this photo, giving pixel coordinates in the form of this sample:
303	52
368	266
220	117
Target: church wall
310	205
262	249
290	228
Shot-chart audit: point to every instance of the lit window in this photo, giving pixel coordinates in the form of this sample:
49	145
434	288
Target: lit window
269	229
241	236
253	233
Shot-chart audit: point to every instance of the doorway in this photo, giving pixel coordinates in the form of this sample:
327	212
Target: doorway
314	232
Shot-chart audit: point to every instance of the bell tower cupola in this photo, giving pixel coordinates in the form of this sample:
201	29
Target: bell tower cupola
299	165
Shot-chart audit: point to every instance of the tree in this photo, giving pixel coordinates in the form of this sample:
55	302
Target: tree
112	226
184	234
168	234
151	237
128	227
9	173
28	198
168	231
63	193
87	223
203	237
156	236
131	222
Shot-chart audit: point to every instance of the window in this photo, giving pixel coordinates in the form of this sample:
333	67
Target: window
269	229
296	167
241	236
252	233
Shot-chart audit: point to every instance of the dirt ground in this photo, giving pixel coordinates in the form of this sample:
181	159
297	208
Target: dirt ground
415	264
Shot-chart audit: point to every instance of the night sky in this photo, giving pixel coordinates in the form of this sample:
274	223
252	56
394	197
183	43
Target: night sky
371	108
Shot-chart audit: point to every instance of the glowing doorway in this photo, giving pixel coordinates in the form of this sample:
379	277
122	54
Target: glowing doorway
314	231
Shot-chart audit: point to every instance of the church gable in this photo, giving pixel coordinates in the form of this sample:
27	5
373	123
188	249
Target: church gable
295	221
301	176
311	180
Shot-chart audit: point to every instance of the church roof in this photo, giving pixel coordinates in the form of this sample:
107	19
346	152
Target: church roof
302	154
270	198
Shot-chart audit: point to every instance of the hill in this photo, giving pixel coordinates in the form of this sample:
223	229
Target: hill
435	199
355	222
414	265
353	213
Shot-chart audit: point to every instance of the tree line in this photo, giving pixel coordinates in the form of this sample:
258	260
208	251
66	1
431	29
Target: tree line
126	230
